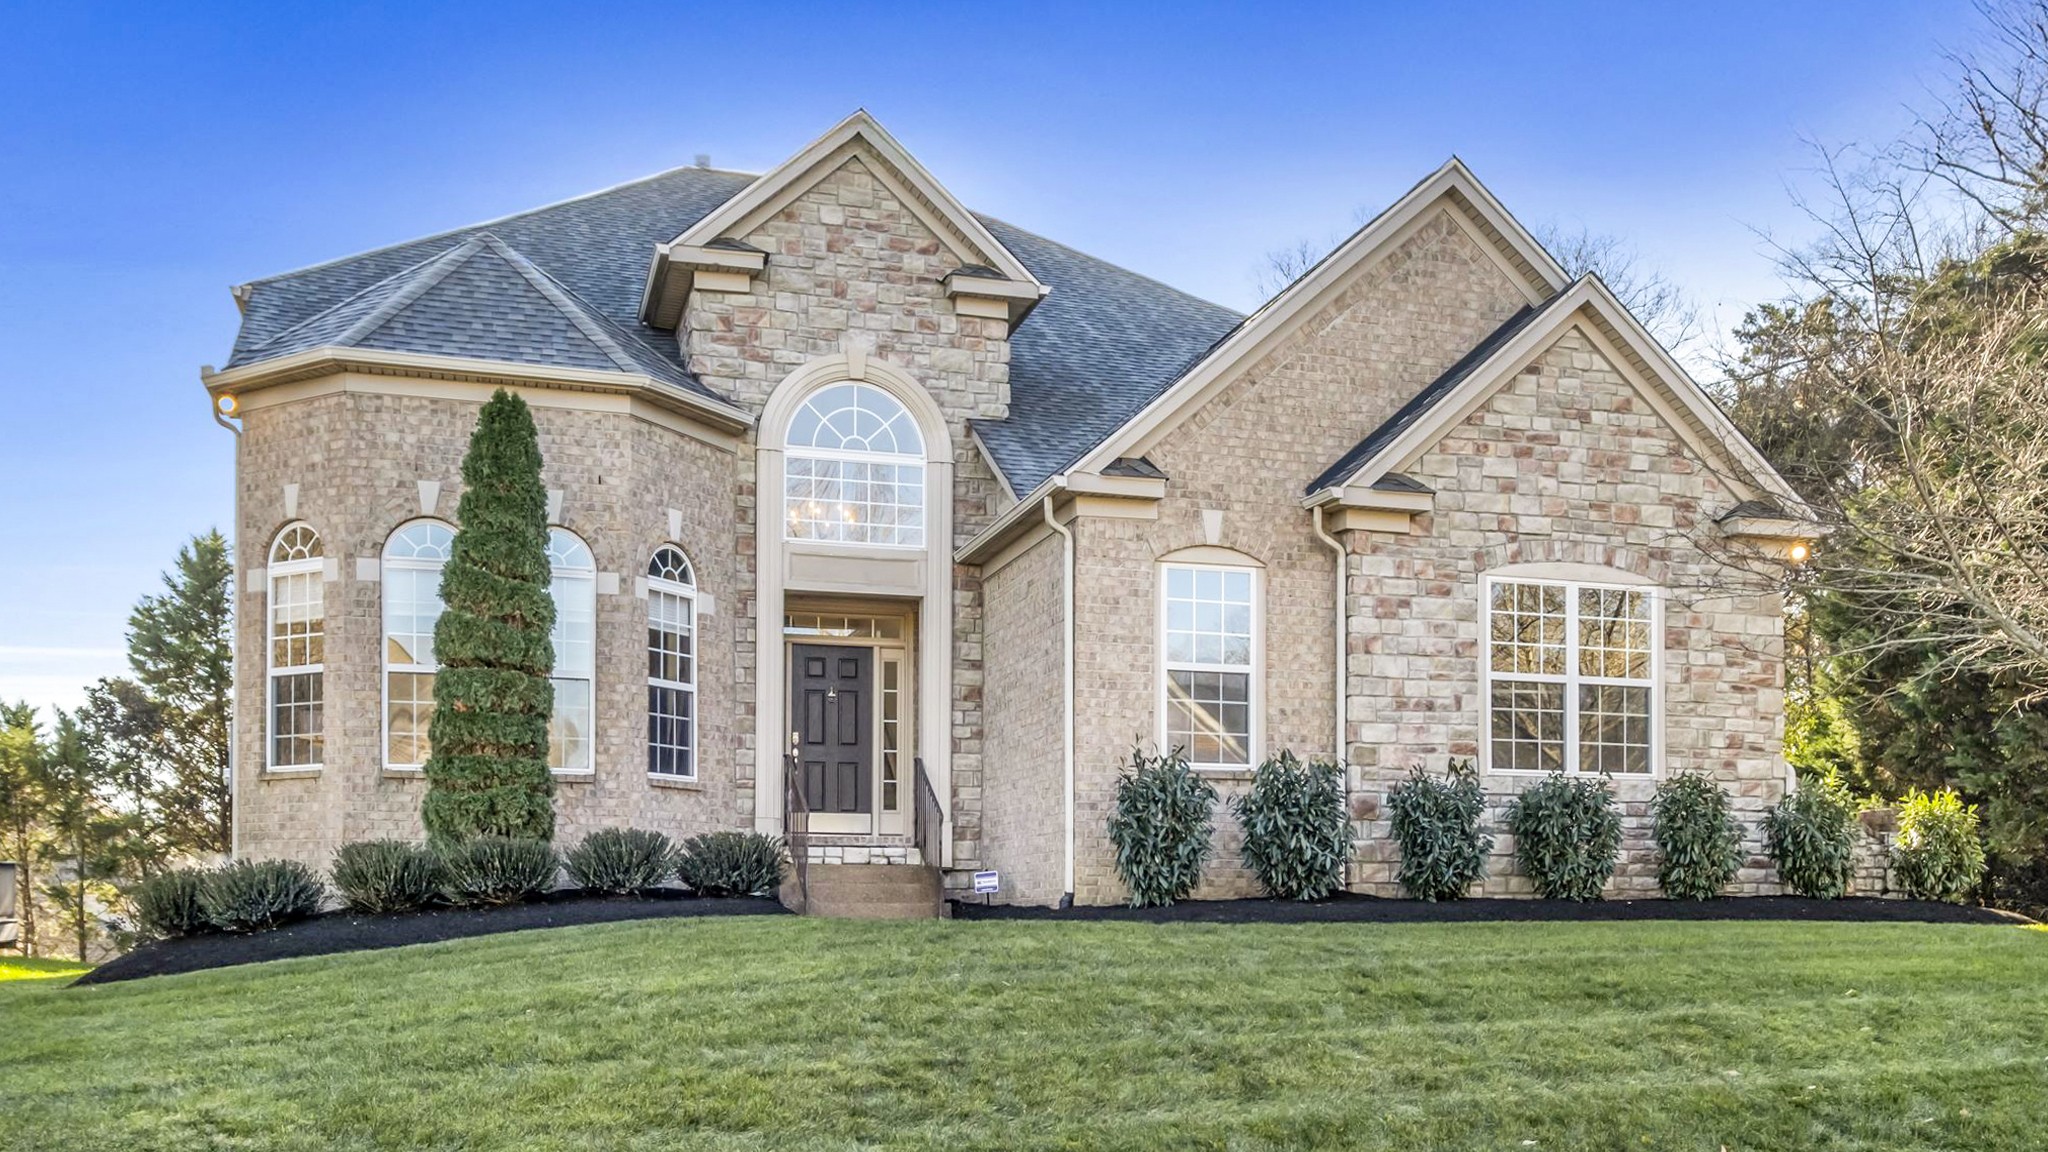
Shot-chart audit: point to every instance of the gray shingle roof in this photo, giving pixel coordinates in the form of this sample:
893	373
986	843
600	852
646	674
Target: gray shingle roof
1419	405
1088	357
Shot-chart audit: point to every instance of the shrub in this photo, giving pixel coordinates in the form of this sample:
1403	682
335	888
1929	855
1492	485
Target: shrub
621	861
1161	827
1699	844
1436	823
491	870
731	864
487	773
386	876
1811	835
1567	835
1297	835
254	895
172	903
1938	855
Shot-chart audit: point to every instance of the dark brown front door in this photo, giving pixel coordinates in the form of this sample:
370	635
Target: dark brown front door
832	715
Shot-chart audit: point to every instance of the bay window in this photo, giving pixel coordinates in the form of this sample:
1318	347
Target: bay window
574	587
297	649
413	557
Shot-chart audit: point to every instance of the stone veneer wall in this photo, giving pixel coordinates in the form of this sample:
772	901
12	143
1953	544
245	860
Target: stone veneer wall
1248	453
1566	463
851	264
358	458
1023	802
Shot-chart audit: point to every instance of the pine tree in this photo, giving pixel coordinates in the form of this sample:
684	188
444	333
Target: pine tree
23	804
488	771
180	644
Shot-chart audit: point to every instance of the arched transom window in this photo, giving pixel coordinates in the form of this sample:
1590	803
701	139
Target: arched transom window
854	473
412	605
575	638
298	648
671	665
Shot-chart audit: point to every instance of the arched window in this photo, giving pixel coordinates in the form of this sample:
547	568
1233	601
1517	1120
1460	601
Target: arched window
575	591
412	603
671	665
1209	625
298	641
854	473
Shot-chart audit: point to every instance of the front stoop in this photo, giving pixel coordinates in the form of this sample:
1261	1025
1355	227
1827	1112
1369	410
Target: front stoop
871	892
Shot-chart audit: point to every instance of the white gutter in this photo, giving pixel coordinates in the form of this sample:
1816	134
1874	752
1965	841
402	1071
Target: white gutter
235	641
1067	689
1342	631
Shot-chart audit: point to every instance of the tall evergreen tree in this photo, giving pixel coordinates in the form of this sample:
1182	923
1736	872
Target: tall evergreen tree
180	645
487	773
82	832
23	803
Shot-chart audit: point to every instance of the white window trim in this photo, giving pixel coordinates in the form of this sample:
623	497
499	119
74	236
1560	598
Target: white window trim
386	563
1571	678
918	459
657	586
1256	702
274	572
589	576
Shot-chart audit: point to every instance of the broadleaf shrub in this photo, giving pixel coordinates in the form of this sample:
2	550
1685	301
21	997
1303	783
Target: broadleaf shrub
1938	855
621	861
172	903
386	876
1297	835
255	895
1699	843
490	870
1161	827
1811	835
1436	823
731	864
1567	835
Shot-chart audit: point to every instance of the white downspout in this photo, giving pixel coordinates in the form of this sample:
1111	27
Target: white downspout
1342	632
1066	689
235	648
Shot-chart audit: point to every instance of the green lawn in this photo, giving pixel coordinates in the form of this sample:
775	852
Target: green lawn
786	1033
14	968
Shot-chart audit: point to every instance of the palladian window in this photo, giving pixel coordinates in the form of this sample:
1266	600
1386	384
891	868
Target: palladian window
1571	675
854	472
412	604
671	666
575	639
298	643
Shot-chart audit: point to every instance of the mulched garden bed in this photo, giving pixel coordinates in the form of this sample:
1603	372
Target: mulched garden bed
1350	908
352	932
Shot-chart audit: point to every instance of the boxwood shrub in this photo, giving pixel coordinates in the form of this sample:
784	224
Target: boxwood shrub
1437	826
386	876
1811	835
1938	855
1567	835
1699	843
492	870
621	861
1297	835
172	903
731	864
1161	827
255	895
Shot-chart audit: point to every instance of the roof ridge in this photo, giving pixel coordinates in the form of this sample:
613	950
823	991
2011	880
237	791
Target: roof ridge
986	218
461	229
565	302
383	314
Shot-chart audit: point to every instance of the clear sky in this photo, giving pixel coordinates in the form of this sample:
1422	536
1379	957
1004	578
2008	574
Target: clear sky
151	156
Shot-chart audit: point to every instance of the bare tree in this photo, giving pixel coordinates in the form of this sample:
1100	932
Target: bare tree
1988	140
1654	298
1283	266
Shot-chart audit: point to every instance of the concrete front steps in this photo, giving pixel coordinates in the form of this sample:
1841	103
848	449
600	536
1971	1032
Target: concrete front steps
871	892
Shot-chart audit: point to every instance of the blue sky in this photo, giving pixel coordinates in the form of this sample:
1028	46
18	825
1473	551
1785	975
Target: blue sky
152	156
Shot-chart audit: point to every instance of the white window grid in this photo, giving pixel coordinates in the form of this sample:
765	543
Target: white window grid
854	470
1578	695
413	557
574	588
671	667
296	684
1210	647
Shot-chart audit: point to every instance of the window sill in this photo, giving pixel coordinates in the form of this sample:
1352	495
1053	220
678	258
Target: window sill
680	783
400	772
294	773
1224	771
573	775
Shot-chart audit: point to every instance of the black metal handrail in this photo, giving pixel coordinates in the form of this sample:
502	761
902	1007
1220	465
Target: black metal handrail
796	832
928	819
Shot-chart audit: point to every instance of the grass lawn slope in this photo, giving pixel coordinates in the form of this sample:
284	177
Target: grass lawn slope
777	1032
13	968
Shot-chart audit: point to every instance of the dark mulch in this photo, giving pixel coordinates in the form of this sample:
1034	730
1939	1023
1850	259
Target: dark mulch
353	932
1350	908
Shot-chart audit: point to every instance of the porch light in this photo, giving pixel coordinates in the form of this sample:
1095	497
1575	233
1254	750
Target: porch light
1799	551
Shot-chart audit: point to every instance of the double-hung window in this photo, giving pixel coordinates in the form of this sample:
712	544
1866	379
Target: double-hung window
298	648
671	666
1209	633
1571	677
413	557
575	638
